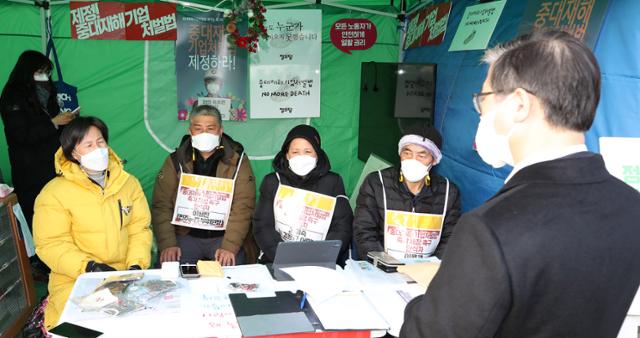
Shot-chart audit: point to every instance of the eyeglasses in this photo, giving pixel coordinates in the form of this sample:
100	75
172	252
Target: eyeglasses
478	96
476	99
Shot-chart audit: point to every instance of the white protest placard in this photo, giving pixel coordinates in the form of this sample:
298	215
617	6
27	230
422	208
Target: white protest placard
285	91
415	91
302	215
203	202
477	26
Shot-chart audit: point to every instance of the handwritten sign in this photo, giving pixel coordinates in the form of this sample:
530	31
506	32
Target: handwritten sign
285	72
477	26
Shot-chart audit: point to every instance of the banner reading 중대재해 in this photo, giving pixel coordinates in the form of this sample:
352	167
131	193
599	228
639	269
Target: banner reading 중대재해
122	21
583	19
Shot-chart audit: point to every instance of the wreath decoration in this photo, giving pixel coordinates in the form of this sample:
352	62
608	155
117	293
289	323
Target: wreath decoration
256	27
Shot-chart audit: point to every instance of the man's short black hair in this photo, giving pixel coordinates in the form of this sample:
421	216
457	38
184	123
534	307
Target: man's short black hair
76	130
557	68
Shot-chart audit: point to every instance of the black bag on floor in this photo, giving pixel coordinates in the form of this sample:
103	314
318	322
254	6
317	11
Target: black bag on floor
34	328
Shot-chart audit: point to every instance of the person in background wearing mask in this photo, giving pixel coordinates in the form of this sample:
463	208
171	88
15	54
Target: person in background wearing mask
408	212
32	125
92	217
301	173
209	155
555	252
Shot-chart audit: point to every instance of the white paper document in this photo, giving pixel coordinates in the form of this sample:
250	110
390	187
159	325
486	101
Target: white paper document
367	276
348	311
210	312
240	278
390	304
320	283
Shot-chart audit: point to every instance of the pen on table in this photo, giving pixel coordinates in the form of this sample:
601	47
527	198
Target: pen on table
304	298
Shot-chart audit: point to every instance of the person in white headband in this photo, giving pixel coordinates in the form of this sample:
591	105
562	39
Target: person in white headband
387	196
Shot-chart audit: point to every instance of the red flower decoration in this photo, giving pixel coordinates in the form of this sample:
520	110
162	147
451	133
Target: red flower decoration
182	114
256	28
242	42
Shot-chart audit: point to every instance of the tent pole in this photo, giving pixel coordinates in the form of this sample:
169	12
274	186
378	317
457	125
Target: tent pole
196	6
45	15
293	4
419	7
360	9
402	24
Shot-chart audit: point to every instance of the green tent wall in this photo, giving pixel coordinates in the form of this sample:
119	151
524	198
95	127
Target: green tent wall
110	76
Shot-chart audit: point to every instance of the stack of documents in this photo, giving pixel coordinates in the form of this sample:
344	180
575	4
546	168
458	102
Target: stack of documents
336	299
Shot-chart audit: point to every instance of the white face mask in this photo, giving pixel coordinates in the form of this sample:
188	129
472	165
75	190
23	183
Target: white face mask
213	88
40	77
493	148
97	159
413	170
205	141
302	164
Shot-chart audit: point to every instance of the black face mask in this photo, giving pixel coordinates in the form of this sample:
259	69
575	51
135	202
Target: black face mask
42	91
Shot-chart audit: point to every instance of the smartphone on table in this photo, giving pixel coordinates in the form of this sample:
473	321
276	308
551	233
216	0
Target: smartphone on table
189	271
384	261
70	330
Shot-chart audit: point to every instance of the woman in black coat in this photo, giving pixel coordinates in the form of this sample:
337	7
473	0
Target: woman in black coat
301	164
32	125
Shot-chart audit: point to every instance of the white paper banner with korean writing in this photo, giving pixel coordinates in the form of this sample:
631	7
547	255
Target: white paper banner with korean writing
203	202
285	73
302	215
411	235
415	91
622	158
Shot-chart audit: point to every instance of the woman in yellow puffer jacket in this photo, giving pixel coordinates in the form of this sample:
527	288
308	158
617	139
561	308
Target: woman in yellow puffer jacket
92	217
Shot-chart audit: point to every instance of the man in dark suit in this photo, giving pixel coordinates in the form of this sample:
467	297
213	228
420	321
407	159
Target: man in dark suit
555	252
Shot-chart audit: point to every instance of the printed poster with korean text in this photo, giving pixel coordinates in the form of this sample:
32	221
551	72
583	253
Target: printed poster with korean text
122	21
203	202
302	215
411	235
582	18
207	70
477	26
622	159
285	72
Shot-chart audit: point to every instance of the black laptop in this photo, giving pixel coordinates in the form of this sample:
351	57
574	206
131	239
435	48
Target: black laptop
311	253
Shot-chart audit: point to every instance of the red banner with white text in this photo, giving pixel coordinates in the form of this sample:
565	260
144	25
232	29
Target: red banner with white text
123	21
